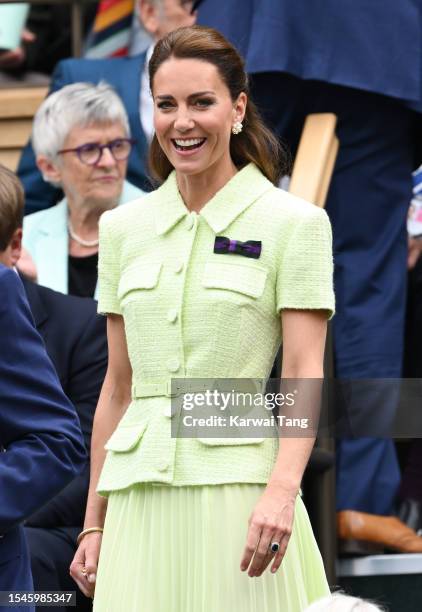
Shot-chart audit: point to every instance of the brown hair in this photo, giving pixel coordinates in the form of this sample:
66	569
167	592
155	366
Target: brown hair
11	206
255	143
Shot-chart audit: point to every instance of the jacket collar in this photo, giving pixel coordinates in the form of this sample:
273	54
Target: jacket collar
54	220
224	207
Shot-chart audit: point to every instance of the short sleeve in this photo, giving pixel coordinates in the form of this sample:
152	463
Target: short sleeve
108	269
305	276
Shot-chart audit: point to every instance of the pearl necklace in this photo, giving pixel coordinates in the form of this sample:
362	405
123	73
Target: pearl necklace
89	244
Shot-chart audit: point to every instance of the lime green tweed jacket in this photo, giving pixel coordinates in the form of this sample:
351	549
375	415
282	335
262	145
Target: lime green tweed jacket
190	312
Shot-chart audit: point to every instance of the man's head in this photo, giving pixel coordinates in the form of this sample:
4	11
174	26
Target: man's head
11	217
71	134
160	17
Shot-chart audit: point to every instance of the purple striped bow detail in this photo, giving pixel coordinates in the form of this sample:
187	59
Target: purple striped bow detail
250	248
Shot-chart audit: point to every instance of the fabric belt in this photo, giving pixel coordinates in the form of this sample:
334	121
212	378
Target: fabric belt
163	389
167	389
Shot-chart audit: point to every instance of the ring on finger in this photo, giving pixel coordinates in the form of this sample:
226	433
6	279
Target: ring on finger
84	571
274	547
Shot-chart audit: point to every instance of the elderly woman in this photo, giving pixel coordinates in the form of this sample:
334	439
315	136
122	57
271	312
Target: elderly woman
82	142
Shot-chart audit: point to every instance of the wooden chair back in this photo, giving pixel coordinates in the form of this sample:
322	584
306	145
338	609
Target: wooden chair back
315	158
17	109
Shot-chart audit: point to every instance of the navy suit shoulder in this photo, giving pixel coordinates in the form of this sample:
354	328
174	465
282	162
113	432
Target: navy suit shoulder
76	341
124	74
75	70
374	46
39	429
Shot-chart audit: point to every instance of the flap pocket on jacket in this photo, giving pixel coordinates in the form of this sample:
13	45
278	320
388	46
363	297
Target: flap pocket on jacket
139	276
230	441
242	278
125	438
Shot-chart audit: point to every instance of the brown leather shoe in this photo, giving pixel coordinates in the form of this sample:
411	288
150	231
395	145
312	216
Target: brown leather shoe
387	531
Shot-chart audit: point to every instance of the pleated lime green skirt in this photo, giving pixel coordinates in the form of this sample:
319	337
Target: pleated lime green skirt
178	549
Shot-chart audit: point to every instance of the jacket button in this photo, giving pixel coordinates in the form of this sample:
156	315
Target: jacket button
167	410
173	364
163	466
172	315
178	267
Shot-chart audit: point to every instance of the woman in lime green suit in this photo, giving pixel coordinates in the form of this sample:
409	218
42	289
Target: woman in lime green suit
202	279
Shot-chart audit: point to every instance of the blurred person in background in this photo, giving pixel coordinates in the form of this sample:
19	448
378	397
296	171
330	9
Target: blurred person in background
75	340
117	30
129	77
46	40
304	58
82	141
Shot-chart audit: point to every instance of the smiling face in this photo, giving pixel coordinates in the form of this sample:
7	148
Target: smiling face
98	186
194	115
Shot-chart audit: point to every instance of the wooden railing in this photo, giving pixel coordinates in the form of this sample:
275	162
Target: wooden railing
17	109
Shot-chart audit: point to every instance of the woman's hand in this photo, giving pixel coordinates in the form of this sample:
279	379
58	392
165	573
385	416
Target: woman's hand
83	568
271	521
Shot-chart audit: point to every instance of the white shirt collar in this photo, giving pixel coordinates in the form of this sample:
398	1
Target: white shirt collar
146	106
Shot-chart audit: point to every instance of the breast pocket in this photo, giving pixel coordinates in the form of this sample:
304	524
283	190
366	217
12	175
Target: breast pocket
138	277
230	290
239	278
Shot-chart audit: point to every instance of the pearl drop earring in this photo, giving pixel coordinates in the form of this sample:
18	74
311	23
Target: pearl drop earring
237	127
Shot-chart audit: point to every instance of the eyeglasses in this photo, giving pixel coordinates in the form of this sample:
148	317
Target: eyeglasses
91	152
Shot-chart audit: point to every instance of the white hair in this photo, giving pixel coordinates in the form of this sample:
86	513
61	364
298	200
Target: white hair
79	104
338	602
